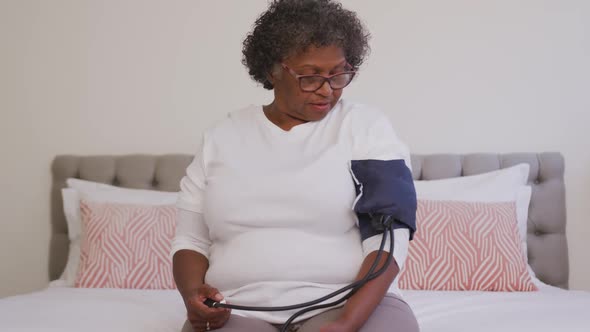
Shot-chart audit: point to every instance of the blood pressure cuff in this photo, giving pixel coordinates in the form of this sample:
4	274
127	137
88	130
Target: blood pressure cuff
385	191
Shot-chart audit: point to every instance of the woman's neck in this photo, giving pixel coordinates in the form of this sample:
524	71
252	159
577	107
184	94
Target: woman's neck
280	117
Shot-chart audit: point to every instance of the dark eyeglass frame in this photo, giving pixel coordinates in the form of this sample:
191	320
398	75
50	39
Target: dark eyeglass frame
325	78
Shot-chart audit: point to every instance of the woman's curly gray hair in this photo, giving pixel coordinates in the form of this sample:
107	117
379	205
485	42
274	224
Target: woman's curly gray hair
291	26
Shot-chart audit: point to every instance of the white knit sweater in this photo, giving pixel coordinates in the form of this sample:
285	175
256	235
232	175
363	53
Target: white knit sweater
272	209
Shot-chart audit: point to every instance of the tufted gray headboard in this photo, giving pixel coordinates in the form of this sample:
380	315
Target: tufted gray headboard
547	244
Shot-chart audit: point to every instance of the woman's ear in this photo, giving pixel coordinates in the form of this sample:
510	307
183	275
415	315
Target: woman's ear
274	74
270	78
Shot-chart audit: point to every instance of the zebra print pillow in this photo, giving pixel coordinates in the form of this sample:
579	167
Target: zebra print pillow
466	246
126	246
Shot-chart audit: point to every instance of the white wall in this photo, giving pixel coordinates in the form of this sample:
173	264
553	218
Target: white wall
126	76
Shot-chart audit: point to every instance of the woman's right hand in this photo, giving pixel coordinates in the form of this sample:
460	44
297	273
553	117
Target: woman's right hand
201	317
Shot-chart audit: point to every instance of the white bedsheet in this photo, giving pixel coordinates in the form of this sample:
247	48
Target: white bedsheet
548	310
78	309
70	309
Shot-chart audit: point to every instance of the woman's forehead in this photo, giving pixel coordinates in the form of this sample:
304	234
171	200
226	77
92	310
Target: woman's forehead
318	57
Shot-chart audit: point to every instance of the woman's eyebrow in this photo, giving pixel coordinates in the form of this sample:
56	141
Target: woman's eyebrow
342	63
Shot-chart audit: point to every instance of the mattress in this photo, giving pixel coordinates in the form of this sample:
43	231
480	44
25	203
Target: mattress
74	309
548	310
84	309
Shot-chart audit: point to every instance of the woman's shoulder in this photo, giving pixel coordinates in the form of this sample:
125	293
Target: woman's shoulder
362	115
234	121
373	136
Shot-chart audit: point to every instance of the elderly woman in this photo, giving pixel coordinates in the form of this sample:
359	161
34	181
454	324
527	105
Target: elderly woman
265	215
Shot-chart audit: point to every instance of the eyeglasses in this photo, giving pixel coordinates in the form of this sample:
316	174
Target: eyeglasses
312	83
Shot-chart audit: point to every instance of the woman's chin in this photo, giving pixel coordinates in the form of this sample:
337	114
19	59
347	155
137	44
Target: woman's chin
315	113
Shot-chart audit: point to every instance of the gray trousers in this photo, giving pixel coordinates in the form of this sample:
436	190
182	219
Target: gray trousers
392	315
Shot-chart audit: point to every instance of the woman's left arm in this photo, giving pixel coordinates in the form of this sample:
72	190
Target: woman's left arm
374	139
360	306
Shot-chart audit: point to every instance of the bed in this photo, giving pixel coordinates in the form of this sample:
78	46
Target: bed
553	307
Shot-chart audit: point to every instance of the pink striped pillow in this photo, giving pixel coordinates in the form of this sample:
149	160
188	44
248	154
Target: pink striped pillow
466	246
126	246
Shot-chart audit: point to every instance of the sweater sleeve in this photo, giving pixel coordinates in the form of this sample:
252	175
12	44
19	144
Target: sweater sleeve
192	185
192	232
375	139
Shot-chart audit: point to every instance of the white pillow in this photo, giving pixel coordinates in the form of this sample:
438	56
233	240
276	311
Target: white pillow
504	185
98	192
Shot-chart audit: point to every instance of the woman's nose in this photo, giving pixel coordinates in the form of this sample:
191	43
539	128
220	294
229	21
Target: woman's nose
325	90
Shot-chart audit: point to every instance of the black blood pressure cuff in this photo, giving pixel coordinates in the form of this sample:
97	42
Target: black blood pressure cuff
385	196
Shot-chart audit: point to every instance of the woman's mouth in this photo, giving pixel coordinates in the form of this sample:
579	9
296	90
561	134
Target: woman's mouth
321	107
